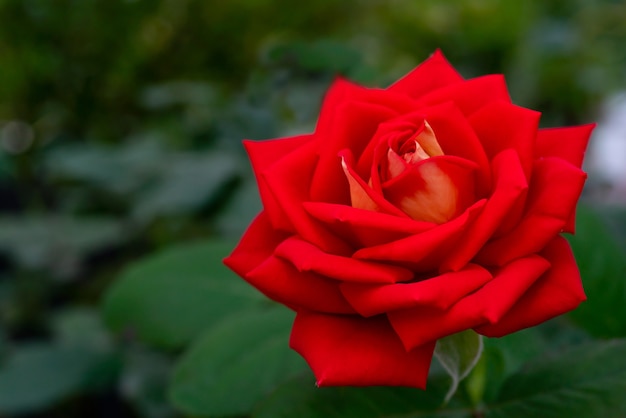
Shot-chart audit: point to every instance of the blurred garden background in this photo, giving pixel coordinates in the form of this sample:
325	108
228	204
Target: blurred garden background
123	181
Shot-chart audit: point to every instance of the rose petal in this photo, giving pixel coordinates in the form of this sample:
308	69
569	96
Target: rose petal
456	137
434	73
437	292
288	181
567	143
404	126
263	154
510	186
353	351
424	251
558	291
353	124
470	95
364	228
280	281
307	257
256	245
435	190
490	303
552	197
363	196
502	125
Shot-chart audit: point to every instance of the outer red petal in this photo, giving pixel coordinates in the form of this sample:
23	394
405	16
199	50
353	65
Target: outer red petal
501	125
432	74
365	228
423	252
510	185
256	245
307	257
558	291
263	154
353	351
288	181
418	326
470	95
280	281
567	143
554	191
437	292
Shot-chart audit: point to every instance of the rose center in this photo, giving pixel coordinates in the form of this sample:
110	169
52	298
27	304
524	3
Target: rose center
403	176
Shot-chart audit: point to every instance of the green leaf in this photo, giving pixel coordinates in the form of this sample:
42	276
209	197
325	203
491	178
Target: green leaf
301	398
81	327
187	182
501	358
57	243
171	297
237	214
144	381
235	364
458	354
38	375
588	381
601	258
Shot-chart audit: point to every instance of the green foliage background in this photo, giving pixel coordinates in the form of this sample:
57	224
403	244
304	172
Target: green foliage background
123	183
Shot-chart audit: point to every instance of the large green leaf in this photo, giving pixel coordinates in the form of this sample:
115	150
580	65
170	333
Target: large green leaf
300	398
170	297
38	375
601	257
235	364
588	381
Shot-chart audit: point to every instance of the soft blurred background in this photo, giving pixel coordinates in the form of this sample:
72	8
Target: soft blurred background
120	137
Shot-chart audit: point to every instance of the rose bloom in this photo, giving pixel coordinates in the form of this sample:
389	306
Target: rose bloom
412	213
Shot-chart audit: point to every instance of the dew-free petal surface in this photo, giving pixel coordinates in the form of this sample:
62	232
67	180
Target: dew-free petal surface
559	290
354	351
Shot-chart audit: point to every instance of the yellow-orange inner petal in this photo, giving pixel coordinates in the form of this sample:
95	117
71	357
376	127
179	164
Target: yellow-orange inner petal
358	196
432	197
436	201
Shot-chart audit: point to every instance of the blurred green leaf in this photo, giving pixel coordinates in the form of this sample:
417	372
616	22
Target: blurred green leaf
458	354
588	381
144	381
37	376
187	182
57	242
601	258
122	170
240	210
300	398
172	296
177	93
81	327
502	357
235	364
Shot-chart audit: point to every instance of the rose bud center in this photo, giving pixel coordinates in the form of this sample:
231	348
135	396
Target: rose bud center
410	172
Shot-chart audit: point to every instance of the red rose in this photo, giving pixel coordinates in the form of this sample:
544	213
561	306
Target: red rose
411	213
